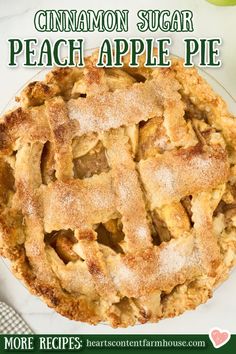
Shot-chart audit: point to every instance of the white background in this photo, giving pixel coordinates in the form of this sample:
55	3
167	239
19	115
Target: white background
16	21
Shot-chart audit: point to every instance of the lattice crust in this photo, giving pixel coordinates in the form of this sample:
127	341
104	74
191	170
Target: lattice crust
117	191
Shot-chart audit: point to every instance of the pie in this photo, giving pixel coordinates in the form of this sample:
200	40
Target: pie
118	191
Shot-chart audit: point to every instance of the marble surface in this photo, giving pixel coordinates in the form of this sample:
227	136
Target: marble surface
16	20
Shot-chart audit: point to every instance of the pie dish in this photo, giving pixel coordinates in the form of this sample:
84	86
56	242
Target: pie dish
117	191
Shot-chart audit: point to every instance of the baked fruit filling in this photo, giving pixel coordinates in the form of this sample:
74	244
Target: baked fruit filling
118	191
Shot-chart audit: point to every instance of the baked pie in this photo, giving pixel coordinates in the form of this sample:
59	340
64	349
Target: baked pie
118	191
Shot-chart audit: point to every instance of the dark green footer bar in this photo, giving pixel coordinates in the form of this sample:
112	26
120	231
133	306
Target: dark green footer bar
112	344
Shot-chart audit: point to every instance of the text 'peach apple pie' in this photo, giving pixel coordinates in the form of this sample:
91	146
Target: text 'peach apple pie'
118	191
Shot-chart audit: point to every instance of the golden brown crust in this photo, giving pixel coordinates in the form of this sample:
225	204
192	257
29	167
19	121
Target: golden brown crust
115	191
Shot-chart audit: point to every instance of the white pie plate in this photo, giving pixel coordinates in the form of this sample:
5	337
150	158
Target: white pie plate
216	85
